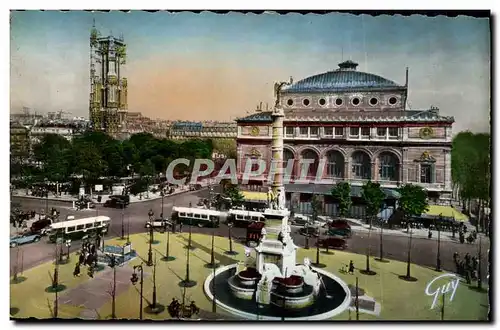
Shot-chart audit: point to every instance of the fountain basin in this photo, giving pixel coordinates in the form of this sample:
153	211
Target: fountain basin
325	305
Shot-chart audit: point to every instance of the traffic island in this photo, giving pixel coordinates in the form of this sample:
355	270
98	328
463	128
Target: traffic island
85	293
368	272
54	289
14	311
408	278
381	260
156	309
18	279
167	259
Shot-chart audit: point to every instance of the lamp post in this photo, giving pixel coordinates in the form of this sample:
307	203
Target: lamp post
307	235
438	255
408	274
68	245
112	264
212	263
167	256
230	252
123	224
134	279
190	245
150	251
357	300
128	230
162	193
187	282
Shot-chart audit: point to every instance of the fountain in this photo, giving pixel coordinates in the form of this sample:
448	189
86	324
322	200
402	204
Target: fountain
269	284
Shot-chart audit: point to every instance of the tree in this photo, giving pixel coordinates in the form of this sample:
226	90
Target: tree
233	192
471	168
342	192
87	161
373	197
147	170
226	147
413	202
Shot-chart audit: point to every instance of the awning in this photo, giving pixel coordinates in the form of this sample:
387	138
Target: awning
446	212
385	214
254	196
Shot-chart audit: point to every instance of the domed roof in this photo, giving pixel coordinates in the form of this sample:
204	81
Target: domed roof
345	78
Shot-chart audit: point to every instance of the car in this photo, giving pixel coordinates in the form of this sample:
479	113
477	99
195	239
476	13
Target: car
308	231
24	239
159	224
333	242
299	221
40	226
124	198
114	203
339	228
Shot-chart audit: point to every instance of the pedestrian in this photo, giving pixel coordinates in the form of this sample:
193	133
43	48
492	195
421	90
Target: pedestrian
467	277
429	235
351	267
456	256
76	272
474	262
180	227
81	258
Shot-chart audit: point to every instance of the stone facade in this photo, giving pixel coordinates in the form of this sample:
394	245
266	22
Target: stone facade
355	127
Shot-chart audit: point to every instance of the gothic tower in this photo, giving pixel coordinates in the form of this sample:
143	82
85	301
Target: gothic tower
108	88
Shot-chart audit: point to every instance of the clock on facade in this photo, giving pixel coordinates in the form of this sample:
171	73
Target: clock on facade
426	133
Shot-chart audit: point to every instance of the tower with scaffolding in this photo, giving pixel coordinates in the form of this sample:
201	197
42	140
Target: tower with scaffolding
108	88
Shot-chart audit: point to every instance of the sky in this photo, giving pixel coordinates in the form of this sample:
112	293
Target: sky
210	66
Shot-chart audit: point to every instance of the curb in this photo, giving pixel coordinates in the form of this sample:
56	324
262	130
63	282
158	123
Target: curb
74	200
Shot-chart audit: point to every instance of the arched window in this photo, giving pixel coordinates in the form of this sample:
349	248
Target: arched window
313	168
388	167
287	155
361	165
335	164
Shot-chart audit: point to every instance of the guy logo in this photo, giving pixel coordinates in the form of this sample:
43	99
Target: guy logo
452	285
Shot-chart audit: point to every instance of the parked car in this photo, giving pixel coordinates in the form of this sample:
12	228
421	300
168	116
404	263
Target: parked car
115	203
24	239
40	226
299	221
160	224
339	228
124	198
333	243
308	231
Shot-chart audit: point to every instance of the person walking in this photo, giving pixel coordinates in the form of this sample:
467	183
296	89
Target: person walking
351	267
76	272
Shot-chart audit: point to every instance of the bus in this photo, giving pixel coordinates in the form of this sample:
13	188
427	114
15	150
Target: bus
242	218
196	217
76	229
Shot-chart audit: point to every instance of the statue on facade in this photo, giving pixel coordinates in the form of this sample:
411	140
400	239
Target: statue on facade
281	201
277	91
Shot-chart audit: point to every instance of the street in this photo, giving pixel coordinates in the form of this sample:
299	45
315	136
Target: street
395	247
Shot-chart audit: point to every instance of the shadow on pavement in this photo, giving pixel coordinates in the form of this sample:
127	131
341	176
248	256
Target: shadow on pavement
223	259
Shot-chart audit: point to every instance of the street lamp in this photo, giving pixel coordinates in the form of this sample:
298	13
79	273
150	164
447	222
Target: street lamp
155	307
167	256
306	227
68	245
150	251
187	282
438	256
230	252
134	279
212	263
112	264
190	245
123	224
162	193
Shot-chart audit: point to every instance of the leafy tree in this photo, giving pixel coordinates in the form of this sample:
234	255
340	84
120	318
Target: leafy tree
233	192
413	202
373	197
316	207
342	192
226	147
88	162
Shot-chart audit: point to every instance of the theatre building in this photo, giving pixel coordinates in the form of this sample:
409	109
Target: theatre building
358	126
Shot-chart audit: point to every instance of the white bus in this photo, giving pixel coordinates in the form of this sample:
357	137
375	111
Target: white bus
196	217
242	218
76	229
